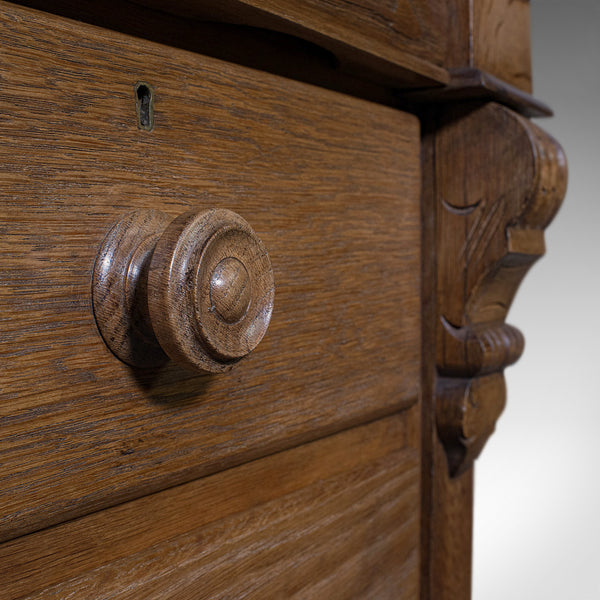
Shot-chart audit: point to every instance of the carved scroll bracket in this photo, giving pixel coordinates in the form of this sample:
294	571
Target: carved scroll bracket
499	181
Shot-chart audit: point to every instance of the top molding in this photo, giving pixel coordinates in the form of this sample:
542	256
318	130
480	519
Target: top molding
366	48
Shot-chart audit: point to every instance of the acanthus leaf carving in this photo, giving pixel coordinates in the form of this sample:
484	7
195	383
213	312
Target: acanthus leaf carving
499	181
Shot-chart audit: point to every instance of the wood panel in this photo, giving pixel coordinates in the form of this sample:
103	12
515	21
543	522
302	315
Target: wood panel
455	50
317	521
388	39
329	183
446	502
233	39
501	40
329	43
374	36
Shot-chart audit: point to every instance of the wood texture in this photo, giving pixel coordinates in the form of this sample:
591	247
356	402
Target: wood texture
199	290
444	50
317	521
491	182
499	181
120	288
252	46
82	431
446	502
331	184
501	40
468	84
382	40
341	45
376	38
202	261
450	530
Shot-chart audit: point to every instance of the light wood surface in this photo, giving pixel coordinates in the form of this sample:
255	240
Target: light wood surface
501	40
82	431
337	518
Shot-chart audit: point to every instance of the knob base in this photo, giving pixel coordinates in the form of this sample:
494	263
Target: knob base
119	288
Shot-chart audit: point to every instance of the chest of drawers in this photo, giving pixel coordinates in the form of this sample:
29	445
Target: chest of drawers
383	157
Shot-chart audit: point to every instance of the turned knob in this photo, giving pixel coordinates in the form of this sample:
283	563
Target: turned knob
198	289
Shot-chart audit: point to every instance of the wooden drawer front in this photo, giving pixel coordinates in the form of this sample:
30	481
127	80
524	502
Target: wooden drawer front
313	522
412	26
408	41
329	183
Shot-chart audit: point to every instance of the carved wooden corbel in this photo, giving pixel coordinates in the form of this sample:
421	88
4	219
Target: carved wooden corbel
499	181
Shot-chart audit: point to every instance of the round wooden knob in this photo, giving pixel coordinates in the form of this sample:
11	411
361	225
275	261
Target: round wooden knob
198	289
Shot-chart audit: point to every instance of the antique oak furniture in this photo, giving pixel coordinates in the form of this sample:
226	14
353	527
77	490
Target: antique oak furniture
256	262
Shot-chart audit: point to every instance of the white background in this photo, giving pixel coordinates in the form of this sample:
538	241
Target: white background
537	499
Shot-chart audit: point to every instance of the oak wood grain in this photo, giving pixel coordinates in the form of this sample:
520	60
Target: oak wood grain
341	44
329	183
498	186
202	260
430	51
449	563
198	289
468	84
382	40
446	502
316	521
501	40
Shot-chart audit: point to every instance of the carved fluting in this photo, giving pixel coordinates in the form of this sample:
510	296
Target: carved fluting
499	181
